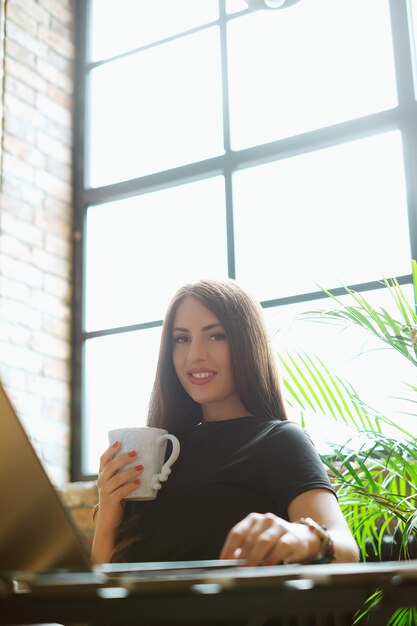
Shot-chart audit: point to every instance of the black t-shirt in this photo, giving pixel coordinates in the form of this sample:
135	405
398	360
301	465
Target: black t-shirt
225	471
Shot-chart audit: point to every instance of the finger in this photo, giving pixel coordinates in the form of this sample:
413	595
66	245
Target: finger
266	529
108	455
109	485
117	463
256	553
282	550
128	487
235	538
122	491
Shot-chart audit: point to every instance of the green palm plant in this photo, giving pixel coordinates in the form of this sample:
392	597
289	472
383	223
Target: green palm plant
375	469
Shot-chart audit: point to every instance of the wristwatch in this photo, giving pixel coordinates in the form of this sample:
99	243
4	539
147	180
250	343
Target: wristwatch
326	553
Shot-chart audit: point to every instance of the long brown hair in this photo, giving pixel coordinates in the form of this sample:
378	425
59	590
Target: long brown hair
254	367
254	372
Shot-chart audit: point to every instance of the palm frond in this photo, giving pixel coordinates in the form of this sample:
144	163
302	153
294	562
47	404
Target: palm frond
374	474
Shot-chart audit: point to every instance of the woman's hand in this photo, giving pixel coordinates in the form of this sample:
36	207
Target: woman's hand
114	483
265	539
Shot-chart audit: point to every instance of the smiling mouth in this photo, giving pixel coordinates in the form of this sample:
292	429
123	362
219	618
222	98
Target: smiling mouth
200	378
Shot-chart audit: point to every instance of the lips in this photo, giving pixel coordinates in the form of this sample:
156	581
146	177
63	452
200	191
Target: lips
201	376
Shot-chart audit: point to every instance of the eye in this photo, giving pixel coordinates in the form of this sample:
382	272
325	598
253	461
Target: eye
181	339
218	337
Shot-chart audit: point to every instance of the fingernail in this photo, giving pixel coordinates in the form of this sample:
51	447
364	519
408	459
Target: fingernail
116	443
138	468
137	481
132	453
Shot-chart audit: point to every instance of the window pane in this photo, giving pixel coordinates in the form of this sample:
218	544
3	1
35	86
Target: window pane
157	109
353	354
332	216
234	6
136	23
119	375
315	64
141	249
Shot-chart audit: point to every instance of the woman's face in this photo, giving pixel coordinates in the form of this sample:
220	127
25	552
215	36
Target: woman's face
202	361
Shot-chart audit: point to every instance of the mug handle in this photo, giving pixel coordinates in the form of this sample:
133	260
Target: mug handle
166	468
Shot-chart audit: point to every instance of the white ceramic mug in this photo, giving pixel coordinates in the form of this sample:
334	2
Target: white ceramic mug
150	445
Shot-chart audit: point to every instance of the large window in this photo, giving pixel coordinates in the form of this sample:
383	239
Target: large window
277	147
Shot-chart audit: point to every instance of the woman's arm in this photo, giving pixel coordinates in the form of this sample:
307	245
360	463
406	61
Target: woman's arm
113	484
266	539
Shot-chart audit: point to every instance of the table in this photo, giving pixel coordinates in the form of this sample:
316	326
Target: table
289	595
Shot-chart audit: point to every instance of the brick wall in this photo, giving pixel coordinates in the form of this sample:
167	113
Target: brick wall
35	222
80	500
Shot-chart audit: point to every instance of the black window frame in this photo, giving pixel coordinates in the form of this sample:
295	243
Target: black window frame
403	118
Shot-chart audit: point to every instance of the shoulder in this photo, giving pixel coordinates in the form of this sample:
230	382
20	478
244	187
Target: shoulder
286	430
288	439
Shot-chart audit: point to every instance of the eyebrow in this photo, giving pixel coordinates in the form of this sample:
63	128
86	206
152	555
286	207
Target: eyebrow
205	328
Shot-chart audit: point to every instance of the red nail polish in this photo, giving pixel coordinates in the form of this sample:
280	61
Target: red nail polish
116	443
138	468
137	481
132	453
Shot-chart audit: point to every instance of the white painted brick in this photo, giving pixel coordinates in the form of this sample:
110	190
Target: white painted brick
62	32
58	9
53	110
25	38
24	151
17	107
4	330
18	189
14	333
55	77
29	409
50	263
58	209
59	96
48	388
18	127
14	290
23	230
20	271
20	90
57	327
50	305
14	248
56	368
20	313
21	54
35	11
21	358
60	170
14	378
52	184
56	131
56	410
36	223
51	221
26	74
15	208
59	246
53	148
55	41
19	20
19	169
58	287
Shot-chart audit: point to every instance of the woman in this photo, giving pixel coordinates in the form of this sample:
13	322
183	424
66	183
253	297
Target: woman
248	483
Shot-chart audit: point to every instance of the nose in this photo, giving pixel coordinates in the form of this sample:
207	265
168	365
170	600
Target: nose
197	351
